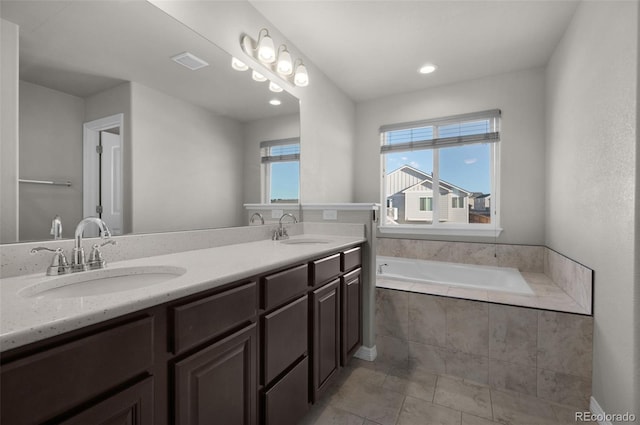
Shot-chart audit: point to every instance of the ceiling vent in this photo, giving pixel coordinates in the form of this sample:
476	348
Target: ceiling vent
190	61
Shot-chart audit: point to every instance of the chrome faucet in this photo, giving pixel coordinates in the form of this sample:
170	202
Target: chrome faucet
281	231
381	266
78	262
256	214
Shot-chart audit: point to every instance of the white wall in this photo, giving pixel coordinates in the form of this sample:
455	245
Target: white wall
592	204
187	170
520	96
50	149
9	132
327	115
282	127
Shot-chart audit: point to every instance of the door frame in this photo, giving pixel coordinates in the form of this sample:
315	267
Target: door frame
90	164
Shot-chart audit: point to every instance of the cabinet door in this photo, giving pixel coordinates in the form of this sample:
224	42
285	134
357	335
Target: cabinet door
217	385
351	314
133	406
326	335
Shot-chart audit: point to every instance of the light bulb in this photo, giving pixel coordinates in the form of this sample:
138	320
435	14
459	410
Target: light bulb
266	49
275	102
301	79
238	65
274	87
285	64
258	77
427	69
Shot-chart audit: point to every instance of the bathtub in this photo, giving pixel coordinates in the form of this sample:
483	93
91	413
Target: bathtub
504	279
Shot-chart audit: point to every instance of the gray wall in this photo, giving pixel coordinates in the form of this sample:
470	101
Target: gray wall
9	132
187	165
520	96
50	149
591	191
327	115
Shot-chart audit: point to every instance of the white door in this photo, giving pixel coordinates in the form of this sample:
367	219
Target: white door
111	181
102	173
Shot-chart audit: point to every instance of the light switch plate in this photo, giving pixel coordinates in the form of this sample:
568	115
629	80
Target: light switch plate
329	214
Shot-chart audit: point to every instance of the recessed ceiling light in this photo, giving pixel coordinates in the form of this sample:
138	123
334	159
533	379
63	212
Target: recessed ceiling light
190	61
238	65
258	77
275	102
427	69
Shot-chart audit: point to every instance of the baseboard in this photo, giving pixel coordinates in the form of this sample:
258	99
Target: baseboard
366	353
597	411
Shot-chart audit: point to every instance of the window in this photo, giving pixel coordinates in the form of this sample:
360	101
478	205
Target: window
441	175
280	180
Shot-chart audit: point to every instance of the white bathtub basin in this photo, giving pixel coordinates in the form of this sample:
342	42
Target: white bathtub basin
100	282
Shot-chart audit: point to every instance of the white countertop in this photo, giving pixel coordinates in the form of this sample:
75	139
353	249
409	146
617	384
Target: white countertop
28	319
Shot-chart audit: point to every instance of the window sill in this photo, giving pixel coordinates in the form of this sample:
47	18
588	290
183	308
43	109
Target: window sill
442	230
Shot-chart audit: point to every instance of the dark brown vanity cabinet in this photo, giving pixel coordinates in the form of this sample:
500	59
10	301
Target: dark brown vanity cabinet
104	376
325	305
285	352
256	352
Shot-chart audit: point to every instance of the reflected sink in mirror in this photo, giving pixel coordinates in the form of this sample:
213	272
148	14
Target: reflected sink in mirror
101	282
304	241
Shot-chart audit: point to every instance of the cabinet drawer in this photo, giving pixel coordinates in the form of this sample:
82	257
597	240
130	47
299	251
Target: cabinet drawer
200	320
325	269
351	259
288	400
280	287
41	386
284	338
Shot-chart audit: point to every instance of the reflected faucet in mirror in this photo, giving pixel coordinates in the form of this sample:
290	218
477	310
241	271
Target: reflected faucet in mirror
254	215
281	232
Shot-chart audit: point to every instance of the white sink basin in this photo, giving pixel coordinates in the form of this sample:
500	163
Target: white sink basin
103	281
301	241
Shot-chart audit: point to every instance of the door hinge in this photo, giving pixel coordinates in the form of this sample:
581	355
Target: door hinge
99	149
98	209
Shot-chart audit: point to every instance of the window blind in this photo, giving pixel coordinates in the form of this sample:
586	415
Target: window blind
456	130
281	150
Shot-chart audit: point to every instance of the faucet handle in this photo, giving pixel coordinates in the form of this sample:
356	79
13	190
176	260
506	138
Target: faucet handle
95	258
59	264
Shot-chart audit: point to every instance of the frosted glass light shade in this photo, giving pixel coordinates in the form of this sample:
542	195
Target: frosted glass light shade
258	77
238	65
266	49
301	78
285	64
274	87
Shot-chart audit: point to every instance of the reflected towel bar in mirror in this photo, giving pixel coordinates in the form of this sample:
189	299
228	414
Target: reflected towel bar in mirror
54	183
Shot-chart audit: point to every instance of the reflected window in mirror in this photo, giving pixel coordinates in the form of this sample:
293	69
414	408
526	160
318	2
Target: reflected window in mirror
280	174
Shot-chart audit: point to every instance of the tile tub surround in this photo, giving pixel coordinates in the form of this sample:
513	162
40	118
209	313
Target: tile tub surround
24	320
534	352
559	283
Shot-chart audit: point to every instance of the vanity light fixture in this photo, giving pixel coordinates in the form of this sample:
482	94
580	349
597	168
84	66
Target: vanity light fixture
266	49
275	102
278	61
274	87
301	77
238	65
427	68
284	65
258	77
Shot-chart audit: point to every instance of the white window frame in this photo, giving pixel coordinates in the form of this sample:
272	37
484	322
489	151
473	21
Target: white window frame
438	228
265	166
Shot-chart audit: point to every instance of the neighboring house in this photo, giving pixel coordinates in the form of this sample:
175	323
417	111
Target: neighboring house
410	198
481	203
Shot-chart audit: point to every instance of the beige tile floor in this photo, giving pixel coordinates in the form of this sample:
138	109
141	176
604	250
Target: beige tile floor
368	393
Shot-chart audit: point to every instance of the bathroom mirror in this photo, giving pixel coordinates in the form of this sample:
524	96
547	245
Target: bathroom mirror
180	148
